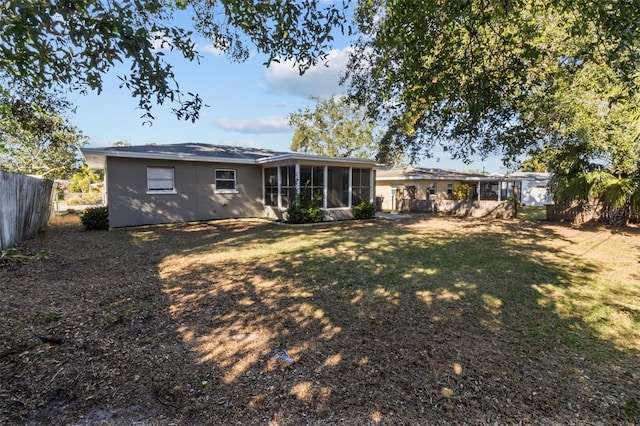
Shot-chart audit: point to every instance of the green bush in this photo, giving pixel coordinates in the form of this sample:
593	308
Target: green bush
461	193
364	210
95	218
305	208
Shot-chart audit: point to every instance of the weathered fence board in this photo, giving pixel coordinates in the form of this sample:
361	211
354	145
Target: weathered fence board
574	212
25	207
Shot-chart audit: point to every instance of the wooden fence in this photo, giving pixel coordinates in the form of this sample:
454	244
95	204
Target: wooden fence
574	212
25	207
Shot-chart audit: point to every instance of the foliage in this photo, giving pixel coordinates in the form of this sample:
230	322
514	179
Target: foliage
335	128
95	218
620	195
35	139
602	161
13	256
461	192
533	165
82	179
305	208
74	44
364	210
481	77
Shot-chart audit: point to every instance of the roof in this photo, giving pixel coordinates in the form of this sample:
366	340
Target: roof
422	173
528	176
96	157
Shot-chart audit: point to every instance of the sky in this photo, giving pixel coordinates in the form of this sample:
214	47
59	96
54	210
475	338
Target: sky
248	105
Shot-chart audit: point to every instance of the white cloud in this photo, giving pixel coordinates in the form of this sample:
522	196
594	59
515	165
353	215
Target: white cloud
321	81
273	124
160	42
211	49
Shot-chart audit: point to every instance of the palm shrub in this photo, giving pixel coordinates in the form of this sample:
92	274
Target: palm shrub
620	195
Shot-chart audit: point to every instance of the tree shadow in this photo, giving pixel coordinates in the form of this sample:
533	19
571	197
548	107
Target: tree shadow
395	322
422	321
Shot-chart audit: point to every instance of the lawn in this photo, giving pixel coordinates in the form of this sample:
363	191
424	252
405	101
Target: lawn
432	320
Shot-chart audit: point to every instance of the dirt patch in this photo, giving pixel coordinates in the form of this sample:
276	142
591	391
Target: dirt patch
385	322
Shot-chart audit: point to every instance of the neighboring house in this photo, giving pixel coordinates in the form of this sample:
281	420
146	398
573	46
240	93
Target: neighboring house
151	184
397	186
533	187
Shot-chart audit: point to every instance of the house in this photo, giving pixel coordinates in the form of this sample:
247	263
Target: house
396	188
533	188
154	184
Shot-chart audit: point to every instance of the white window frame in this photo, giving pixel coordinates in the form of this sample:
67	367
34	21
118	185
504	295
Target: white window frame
234	180
167	190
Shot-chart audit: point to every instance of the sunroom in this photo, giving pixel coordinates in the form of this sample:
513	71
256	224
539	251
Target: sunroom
335	188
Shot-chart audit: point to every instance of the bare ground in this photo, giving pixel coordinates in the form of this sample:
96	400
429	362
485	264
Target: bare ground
158	326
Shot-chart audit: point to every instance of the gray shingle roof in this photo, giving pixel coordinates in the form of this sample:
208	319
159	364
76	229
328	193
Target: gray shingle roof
204	152
185	150
418	173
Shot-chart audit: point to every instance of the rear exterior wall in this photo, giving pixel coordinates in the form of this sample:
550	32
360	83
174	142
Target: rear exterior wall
194	199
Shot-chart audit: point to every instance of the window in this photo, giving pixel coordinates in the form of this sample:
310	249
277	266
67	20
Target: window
338	187
432	190
361	186
288	184
160	179
271	186
225	180
312	184
449	189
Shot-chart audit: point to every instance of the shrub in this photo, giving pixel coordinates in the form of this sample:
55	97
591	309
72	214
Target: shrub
461	193
305	208
95	218
364	210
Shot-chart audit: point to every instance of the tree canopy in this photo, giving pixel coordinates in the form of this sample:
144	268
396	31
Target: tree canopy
334	128
488	76
36	138
73	44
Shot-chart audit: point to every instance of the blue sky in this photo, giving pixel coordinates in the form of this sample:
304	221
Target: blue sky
248	105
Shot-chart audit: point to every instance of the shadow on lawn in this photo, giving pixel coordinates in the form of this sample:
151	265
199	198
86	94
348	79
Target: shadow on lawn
388	323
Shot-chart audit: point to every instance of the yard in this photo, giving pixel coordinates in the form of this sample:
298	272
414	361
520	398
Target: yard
420	321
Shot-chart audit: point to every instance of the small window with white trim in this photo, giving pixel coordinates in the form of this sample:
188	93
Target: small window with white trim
161	180
226	180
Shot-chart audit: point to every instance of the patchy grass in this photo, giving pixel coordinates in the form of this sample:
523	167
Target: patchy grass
431	320
533	213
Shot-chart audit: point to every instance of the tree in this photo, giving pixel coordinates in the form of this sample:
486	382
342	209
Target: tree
602	162
335	128
73	44
35	139
488	76
82	179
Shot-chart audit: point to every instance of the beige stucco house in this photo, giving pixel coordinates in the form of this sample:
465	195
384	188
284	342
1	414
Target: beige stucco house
152	184
402	188
396	187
